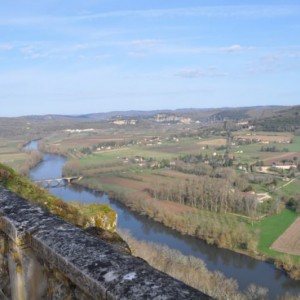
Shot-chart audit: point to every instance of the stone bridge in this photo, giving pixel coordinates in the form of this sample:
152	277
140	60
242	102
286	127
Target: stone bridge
56	182
44	257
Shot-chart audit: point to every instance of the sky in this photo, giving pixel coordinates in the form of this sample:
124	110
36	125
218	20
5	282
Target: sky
87	56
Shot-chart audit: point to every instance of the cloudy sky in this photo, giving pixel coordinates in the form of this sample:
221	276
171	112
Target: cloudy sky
83	56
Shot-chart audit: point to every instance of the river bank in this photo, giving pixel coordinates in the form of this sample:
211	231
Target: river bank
241	268
150	210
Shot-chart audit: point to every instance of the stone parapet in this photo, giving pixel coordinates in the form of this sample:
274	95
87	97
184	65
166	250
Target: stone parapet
70	263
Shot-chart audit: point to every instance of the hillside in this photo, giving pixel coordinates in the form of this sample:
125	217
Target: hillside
283	120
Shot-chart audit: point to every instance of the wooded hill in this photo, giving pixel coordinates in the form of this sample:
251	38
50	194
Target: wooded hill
283	120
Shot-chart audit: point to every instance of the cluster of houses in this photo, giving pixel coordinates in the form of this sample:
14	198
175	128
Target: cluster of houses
79	130
122	122
286	166
151	141
147	162
171	118
161	118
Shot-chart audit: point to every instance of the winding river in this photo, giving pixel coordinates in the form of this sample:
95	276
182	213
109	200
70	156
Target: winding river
240	267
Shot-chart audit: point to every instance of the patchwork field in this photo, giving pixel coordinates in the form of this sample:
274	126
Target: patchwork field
289	241
271	228
11	154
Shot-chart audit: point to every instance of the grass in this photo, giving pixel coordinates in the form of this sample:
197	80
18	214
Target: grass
14	160
11	153
12	157
117	154
226	219
168	150
101	157
271	228
295	146
95	183
115	188
291	189
251	153
259	188
253	150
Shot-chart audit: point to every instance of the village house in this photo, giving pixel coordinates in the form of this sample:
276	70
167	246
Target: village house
284	166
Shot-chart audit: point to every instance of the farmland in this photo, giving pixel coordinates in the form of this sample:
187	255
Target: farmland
273	227
130	171
11	154
228	185
289	241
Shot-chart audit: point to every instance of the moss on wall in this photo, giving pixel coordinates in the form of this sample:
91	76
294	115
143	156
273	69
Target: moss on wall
83	215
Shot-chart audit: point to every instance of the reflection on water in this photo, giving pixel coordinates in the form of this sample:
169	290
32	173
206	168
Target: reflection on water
240	267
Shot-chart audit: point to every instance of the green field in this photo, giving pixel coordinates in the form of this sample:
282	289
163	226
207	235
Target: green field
111	163
251	153
117	154
10	153
295	146
271	228
292	189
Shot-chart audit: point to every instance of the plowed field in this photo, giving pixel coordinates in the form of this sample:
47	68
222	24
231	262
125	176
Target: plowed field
289	241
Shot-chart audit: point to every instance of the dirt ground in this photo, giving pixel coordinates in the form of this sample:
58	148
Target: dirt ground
124	182
139	187
175	174
168	206
278	157
270	138
215	142
289	241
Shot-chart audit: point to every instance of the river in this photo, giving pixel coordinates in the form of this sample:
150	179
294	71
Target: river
244	269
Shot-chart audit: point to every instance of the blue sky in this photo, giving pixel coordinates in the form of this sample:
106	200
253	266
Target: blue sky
75	57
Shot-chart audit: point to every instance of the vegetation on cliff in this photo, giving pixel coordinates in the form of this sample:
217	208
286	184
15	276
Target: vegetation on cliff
99	215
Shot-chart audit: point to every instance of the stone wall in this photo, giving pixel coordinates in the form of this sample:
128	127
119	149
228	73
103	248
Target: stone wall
44	257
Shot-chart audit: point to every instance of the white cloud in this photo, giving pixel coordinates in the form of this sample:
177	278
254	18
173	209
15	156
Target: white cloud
103	56
145	43
31	52
136	54
80	47
52	50
27	50
228	11
195	73
6	47
175	49
221	11
232	48
280	60
140	48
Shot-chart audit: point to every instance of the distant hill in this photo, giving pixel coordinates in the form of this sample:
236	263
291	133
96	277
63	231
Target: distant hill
262	116
217	114
269	118
243	113
231	114
287	119
138	114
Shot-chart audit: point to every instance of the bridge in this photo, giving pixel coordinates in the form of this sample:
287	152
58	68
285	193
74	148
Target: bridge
57	182
45	257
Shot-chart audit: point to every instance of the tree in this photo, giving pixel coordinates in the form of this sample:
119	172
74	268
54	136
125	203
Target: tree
72	168
256	292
